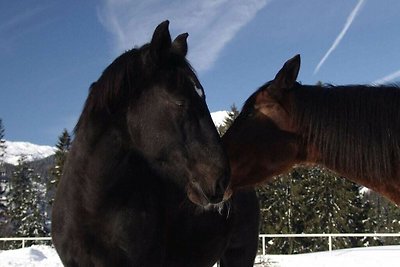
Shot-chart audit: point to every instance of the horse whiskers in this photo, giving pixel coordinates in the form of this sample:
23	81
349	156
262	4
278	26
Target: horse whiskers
228	205
219	207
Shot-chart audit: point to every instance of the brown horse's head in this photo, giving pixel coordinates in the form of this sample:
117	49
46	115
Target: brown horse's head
262	142
351	129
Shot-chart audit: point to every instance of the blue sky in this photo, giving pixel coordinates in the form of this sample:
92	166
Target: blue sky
51	51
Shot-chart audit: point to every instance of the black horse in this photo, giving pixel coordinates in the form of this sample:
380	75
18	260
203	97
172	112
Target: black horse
145	180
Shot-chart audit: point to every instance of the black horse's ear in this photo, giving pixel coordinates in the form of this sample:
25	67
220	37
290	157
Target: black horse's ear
160	44
179	45
286	77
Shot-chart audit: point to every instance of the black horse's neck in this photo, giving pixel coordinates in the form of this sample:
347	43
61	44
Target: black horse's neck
94	154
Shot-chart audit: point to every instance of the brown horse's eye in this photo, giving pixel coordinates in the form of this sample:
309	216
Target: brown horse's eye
249	114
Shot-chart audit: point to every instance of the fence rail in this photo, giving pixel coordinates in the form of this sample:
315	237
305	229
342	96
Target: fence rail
24	239
261	236
329	236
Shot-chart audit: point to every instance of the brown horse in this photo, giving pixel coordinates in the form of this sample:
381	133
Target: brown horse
353	130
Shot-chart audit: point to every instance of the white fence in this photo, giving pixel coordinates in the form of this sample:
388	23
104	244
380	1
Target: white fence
328	236
24	239
262	237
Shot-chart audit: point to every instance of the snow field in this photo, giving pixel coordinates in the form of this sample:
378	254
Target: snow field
385	256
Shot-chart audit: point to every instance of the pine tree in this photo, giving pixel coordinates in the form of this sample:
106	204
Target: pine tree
232	115
3	184
311	200
383	217
63	147
26	202
276	213
2	142
338	205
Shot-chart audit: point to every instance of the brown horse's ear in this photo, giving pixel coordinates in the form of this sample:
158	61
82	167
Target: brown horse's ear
161	41
286	77
179	45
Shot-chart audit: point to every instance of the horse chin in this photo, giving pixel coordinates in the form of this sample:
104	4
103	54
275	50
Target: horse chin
223	208
196	195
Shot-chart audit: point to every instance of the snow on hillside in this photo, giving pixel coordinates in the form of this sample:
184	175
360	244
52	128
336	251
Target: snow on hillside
218	117
16	150
45	256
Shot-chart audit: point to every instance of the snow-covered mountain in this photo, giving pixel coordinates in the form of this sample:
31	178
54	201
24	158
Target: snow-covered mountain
31	152
218	117
16	150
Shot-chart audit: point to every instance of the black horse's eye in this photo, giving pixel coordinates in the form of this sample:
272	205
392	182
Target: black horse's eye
180	103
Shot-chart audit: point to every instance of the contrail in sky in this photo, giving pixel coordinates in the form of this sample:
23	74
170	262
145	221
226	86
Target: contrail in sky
339	38
212	24
388	78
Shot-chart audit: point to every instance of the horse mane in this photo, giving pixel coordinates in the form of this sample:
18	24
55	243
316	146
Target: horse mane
113	84
123	79
355	128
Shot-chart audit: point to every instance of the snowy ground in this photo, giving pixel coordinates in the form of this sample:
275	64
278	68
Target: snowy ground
35	256
386	256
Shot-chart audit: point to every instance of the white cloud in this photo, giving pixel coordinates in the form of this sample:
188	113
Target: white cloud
339	38
388	78
211	24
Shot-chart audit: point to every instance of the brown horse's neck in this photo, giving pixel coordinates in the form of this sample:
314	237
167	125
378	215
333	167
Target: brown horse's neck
353	130
388	187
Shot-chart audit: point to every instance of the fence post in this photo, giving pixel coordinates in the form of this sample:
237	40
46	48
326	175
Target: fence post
23	243
263	245
330	243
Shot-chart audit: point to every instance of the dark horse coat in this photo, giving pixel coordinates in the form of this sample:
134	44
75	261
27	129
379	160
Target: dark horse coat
144	181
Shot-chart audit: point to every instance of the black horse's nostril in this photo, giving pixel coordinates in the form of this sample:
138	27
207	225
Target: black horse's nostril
219	192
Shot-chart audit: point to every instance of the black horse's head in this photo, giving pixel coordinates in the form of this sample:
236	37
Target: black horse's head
154	94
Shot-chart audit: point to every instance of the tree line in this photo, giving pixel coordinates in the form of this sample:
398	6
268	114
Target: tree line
26	196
